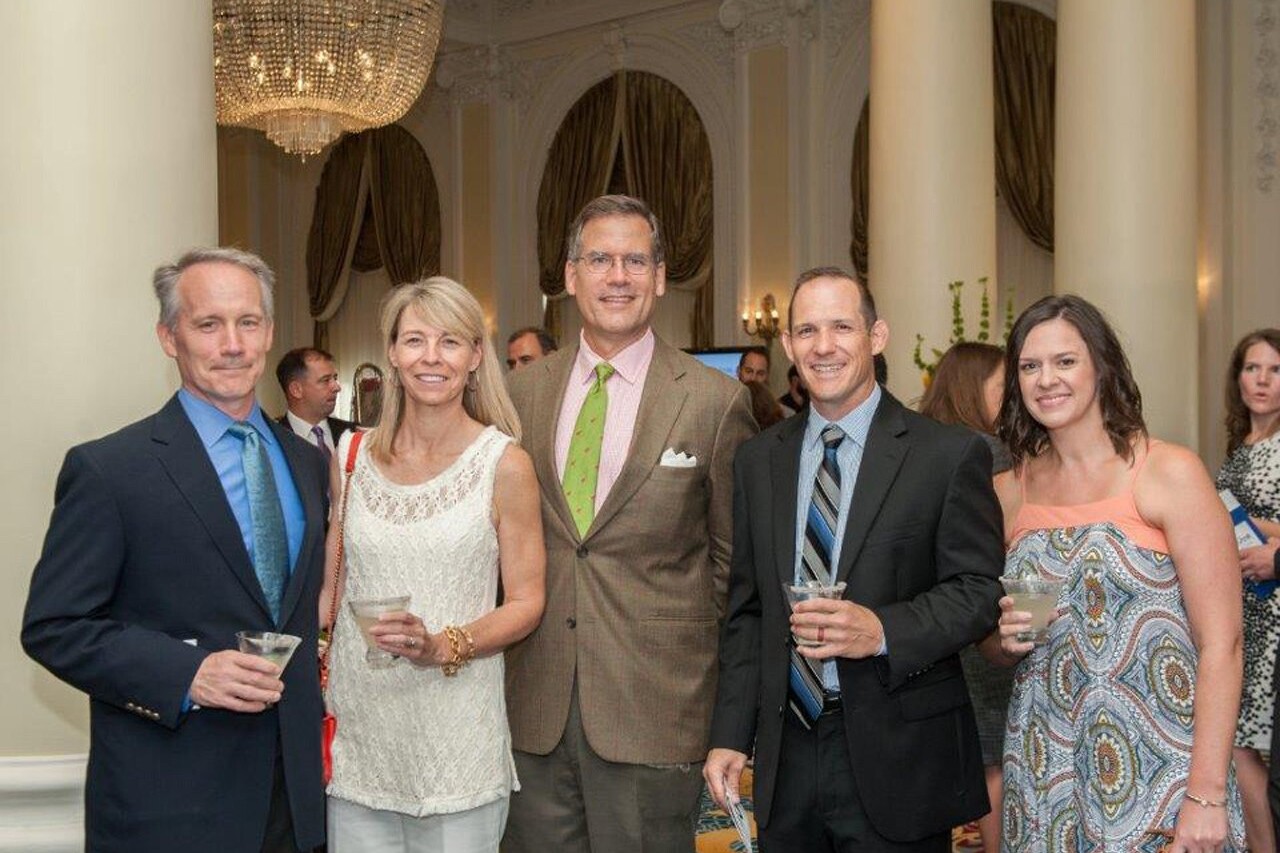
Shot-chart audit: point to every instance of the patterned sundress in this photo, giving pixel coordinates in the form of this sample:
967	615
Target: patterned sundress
1098	741
1252	473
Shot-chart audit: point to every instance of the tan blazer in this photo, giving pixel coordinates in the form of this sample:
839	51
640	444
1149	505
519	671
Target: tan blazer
635	606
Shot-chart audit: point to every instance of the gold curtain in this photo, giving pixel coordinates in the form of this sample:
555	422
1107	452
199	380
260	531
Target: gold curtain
406	205
1025	45
367	257
861	195
329	243
376	206
577	171
668	164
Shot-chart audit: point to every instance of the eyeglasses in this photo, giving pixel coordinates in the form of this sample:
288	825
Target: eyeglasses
598	263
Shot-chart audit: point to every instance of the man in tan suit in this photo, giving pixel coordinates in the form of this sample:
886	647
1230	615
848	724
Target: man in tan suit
610	698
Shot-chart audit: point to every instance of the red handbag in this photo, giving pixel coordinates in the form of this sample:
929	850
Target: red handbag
329	725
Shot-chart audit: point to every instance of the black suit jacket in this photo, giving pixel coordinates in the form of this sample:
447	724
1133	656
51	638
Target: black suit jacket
337	426
143	573
922	548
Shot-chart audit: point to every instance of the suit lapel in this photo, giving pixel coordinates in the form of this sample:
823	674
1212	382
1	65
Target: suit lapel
187	463
784	467
313	513
881	458
548	397
660	404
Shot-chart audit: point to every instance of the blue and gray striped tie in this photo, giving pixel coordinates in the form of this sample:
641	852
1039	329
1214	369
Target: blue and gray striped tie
805	677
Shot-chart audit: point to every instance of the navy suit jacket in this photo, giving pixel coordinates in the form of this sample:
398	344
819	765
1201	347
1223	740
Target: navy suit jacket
337	426
143	574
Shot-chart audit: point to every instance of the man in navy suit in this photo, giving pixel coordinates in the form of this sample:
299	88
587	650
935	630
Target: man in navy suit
167	538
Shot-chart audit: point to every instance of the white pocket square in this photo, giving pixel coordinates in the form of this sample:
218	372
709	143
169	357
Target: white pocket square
671	459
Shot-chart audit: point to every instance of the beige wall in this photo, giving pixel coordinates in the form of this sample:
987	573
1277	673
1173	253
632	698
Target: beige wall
109	171
769	250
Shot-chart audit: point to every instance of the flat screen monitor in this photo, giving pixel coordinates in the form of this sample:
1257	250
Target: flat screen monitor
723	359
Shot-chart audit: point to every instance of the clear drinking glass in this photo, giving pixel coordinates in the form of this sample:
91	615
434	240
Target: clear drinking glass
366	612
1037	596
277	648
806	590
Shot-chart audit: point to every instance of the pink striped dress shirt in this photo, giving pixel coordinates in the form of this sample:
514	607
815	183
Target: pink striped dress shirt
631	366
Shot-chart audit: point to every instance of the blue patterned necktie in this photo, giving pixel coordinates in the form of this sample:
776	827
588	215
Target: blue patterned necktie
805	677
270	542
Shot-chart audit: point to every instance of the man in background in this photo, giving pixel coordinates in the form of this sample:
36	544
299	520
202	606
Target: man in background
167	538
309	379
527	345
753	366
796	396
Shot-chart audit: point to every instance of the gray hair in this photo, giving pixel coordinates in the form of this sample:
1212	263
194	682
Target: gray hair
615	205
165	279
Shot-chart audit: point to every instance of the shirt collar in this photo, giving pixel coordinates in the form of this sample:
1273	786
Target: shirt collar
298	423
211	422
855	424
629	363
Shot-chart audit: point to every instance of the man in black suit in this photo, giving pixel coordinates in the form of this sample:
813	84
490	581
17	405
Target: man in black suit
865	740
167	538
309	379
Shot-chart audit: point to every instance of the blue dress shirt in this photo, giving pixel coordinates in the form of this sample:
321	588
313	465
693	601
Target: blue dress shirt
224	452
855	425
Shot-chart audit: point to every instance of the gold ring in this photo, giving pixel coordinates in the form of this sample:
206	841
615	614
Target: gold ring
822	634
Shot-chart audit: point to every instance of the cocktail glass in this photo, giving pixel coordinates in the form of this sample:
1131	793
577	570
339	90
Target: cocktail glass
806	590
1037	596
277	648
366	612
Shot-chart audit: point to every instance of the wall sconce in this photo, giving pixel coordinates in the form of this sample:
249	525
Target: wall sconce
765	323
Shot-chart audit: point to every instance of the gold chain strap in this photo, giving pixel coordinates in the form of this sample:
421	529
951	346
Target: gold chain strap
337	567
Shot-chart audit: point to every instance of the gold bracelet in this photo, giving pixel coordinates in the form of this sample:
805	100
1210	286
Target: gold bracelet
456	636
1206	804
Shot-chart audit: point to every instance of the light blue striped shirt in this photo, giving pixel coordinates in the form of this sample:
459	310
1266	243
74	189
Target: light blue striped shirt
855	424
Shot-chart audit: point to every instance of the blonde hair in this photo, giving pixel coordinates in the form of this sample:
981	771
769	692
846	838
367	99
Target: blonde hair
443	303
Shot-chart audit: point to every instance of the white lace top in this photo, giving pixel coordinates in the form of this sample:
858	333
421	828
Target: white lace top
411	740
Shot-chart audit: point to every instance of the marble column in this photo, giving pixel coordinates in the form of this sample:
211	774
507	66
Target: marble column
108	164
932	207
1125	188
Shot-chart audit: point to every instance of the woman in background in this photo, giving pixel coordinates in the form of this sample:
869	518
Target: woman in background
1252	474
967	389
764	408
442	502
1121	723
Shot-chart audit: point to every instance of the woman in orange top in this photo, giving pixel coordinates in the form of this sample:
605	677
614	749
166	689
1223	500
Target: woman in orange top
1120	727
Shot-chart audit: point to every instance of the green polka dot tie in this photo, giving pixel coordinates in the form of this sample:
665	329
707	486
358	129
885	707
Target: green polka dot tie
582	465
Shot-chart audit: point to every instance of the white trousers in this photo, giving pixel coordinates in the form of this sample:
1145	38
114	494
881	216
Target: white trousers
358	829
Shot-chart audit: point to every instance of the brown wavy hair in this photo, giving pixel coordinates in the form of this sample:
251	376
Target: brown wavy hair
955	394
1237	421
765	408
1118	395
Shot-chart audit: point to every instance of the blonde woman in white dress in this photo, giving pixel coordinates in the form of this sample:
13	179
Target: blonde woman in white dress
443	504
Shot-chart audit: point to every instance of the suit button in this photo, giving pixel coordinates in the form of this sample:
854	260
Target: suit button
782	709
571	622
582	551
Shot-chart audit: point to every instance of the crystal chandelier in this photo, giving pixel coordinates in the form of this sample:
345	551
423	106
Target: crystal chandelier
307	71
